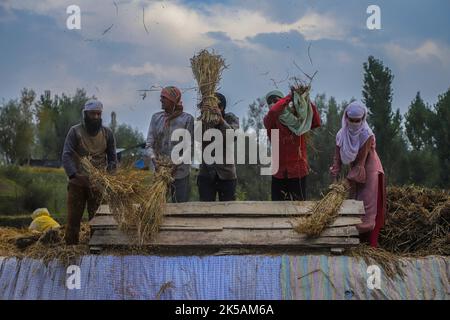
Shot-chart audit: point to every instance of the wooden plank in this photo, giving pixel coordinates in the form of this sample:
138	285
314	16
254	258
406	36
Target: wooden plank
190	228
103	209
254	223
255	208
95	250
225	238
250	208
230	222
337	251
103	222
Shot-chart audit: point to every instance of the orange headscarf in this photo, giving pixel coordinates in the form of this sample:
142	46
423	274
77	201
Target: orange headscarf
173	94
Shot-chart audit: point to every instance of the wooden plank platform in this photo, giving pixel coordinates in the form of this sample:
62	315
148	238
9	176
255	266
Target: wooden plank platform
237	224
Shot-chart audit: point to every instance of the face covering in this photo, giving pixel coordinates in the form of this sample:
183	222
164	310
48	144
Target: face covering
353	135
354	126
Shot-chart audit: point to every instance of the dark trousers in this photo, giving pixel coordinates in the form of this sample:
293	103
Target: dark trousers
179	190
209	187
77	198
289	189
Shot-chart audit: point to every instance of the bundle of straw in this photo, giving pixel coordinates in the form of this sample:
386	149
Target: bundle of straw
137	200
152	203
207	69
324	212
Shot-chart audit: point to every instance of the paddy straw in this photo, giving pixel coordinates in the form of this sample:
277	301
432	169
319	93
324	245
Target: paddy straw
417	221
324	211
388	261
47	252
137	198
207	69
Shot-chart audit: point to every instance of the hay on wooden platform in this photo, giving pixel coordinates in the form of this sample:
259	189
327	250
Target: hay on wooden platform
152	204
137	198
417	221
40	249
324	211
207	69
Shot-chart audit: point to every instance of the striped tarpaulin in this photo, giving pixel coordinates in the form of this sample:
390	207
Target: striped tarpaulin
252	277
331	277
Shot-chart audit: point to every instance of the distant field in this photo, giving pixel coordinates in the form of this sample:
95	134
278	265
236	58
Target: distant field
24	189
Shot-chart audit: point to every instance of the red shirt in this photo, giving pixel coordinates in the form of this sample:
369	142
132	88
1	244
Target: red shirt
293	160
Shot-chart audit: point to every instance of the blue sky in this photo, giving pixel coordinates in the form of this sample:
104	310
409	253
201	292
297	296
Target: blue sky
259	40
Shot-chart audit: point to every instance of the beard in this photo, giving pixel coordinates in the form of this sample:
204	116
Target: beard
92	126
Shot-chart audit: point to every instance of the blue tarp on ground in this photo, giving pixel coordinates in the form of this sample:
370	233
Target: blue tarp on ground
221	277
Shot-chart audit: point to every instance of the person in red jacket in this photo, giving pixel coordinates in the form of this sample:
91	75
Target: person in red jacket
293	116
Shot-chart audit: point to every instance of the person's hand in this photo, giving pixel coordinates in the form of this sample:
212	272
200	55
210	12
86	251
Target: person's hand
292	90
346	183
83	179
334	172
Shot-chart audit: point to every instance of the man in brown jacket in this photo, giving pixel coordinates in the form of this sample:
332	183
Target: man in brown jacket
92	140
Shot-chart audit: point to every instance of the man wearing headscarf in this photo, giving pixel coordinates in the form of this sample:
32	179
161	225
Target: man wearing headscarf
219	180
293	115
355	146
92	140
159	143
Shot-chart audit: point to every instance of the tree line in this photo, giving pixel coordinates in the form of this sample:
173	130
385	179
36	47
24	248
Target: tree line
414	148
32	128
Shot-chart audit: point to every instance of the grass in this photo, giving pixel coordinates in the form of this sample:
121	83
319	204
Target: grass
24	189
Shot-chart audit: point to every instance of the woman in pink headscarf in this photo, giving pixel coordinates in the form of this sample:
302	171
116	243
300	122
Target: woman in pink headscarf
355	146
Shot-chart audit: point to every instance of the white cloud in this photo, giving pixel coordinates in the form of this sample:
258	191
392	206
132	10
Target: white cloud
175	25
157	71
315	26
238	24
428	51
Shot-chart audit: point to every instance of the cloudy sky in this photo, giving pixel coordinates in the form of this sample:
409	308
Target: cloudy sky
149	43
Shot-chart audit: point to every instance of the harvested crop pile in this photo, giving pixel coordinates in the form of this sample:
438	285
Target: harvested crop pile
388	261
137	199
13	244
417	222
207	69
324	212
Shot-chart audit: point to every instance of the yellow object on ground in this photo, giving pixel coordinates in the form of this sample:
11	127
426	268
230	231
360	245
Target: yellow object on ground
42	221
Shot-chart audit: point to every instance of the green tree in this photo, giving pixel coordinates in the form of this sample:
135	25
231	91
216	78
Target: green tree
441	136
127	137
321	145
54	119
255	115
377	93
67	113
46	131
417	124
423	162
17	128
